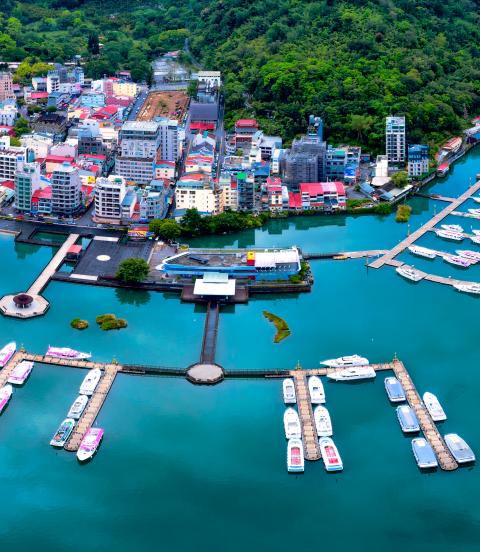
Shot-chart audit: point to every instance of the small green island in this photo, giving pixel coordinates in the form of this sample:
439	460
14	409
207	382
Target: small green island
403	213
283	330
79	324
110	322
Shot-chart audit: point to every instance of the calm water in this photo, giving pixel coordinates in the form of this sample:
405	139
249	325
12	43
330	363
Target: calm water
202	469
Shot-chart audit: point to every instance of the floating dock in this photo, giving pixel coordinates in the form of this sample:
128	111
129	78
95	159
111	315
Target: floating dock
305	411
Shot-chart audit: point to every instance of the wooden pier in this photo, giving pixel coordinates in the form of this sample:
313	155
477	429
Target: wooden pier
8	369
305	411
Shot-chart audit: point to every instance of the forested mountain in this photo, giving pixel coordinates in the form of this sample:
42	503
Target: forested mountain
350	61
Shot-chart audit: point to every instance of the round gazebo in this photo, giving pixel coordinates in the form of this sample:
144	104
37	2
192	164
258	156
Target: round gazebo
23	300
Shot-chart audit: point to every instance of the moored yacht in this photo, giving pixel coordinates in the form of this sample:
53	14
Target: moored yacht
476	232
90	382
317	392
353	374
476	199
449	235
407	419
291	423
345	362
78	406
66	352
295	458
459	448
323	422
475	240
423	452
470	255
434	407
90	443
21	372
472	288
422	251
63	433
410	273
394	390
330	455
452	227
474	211
5	395
7	352
289	396
456	260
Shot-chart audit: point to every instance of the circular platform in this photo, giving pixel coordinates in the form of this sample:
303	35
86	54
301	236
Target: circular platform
36	307
205	374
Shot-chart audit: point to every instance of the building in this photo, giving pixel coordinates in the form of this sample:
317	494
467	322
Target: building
66	190
9	160
205	199
6	86
228	193
124	88
381	171
52	123
213	79
246	191
245	129
40	144
127	206
109	194
169	143
274	194
42	201
53	81
155	201
342	160
27	181
92	99
418	155
304	162
165	169
323	196
8	114
204	113
395	139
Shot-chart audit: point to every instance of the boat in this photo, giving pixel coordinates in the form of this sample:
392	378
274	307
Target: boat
323	422
5	395
452	227
7	352
443	169
90	443
407	419
394	390
289	396
475	239
476	199
295	459
78	406
66	352
423	452
317	393
352	374
473	256
90	382
474	211
330	455
476	232
346	361
457	261
449	235
472	288
291	423
459	448
434	407
409	273
63	432
21	372
422	251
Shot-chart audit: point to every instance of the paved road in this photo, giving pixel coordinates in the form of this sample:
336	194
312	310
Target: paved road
137	106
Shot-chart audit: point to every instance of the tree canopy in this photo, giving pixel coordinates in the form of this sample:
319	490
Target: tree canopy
132	270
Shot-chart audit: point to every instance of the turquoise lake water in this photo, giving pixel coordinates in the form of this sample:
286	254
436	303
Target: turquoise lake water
199	469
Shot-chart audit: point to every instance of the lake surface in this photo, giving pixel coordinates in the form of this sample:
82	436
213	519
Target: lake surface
199	469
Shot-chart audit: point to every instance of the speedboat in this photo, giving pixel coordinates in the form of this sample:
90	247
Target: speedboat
410	273
475	240
346	361
394	390
7	352
449	235
5	395
317	393
476	232
90	443
457	261
423	453
422	251
291	423
476	199
407	418
473	256
63	432
90	382
434	407
330	454
66	352
289	396
323	422
452	227
459	448
295	459
352	374
474	211
472	288
21	372
78	406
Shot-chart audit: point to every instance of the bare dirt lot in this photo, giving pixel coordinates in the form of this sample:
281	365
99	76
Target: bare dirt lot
171	104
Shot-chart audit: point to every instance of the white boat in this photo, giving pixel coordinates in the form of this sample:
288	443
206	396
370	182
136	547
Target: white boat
345	362
470	255
422	251
476	232
407	419
291	423
410	273
459	448
394	390
452	227
457	261
78	406
66	352
90	382
434	407
295	458
21	372
448	235
474	211
63	433
330	455
423	452
90	443
323	422
476	199
472	288
7	352
475	239
317	392
289	396
353	374
5	395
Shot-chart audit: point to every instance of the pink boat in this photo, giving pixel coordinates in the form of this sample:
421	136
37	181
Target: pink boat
5	394
65	352
90	442
458	261
473	256
7	352
21	372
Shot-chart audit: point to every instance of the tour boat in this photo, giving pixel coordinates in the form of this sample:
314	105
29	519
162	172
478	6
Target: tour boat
352	374
330	455
470	255
7	352
66	352
323	422
422	251
394	390
449	235
21	372
5	394
457	261
459	448
410	273
78	406
476	232
289	396
291	423
407	419
475	239
452	227
345	362
295	459
63	432
474	211
472	288
90	382
476	199
317	393
90	443
434	407
423	452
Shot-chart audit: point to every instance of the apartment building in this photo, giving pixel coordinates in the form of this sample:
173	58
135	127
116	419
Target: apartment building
109	194
417	160
395	139
66	190
27	181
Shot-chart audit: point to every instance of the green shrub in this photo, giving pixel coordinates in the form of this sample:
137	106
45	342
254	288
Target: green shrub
104	317
79	324
403	213
115	324
283	330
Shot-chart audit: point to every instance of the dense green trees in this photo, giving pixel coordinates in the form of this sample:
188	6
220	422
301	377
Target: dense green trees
132	270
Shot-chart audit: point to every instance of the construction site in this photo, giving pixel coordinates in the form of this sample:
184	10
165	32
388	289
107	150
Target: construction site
172	104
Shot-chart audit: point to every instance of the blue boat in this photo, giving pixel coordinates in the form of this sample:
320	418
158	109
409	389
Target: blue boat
394	390
407	418
423	453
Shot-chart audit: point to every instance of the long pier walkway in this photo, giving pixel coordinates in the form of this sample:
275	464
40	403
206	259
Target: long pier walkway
209	344
305	411
414	236
8	369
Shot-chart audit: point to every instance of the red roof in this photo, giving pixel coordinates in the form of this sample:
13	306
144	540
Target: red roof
43	193
443	166
202	126
38	95
320	188
274	180
58	159
75	249
246	123
294	200
8	184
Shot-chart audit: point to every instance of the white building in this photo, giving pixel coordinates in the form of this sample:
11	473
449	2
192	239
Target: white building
53	82
395	139
27	180
66	189
40	144
8	114
210	78
206	200
124	88
9	160
381	171
109	194
169	142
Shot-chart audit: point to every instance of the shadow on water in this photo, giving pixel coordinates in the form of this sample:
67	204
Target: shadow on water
132	297
23	250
